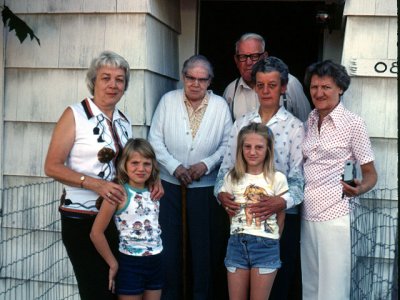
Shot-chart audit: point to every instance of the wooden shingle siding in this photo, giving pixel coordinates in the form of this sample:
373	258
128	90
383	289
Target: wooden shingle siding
41	81
375	99
371	8
71	41
167	11
25	148
386	161
370	44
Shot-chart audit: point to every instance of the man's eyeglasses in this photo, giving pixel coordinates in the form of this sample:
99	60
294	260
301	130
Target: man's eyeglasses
252	56
191	79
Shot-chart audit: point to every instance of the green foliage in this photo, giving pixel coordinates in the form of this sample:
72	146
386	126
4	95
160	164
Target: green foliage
14	23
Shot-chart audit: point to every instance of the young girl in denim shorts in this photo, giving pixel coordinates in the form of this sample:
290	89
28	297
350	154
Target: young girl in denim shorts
252	257
136	274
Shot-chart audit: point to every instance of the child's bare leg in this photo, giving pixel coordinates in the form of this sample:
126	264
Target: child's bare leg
152	295
260	284
147	295
130	297
238	284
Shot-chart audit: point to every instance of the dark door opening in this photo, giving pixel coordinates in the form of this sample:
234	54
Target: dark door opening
289	29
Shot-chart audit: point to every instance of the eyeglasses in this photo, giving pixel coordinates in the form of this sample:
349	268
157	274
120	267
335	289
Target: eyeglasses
192	80
252	56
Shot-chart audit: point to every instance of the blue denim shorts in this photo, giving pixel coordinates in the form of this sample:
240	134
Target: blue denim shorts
249	251
138	273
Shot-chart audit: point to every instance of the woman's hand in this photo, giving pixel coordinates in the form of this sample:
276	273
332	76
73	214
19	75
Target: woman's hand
228	203
267	206
183	175
197	170
112	192
369	180
156	190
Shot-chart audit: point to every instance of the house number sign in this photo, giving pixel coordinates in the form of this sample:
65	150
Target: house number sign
371	67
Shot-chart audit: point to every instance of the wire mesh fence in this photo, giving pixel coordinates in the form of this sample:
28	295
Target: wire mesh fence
33	261
34	264
374	251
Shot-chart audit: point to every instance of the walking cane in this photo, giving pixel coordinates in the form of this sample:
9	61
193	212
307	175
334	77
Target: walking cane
184	242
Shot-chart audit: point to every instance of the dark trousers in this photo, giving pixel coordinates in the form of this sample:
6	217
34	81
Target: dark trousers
91	271
287	284
207	237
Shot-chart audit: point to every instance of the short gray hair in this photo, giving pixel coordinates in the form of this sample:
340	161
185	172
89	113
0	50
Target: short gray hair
271	64
106	59
250	36
198	60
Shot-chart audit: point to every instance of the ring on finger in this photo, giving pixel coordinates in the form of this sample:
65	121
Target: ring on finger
109	195
226	208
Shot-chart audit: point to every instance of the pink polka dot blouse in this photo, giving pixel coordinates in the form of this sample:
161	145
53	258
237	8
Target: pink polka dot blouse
343	136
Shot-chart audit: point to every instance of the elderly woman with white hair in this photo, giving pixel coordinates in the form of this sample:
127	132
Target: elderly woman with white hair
189	132
83	152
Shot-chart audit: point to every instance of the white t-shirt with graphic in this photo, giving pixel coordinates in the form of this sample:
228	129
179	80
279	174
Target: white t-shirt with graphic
137	223
248	190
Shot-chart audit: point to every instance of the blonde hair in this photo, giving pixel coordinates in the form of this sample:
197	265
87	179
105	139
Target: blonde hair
144	148
238	172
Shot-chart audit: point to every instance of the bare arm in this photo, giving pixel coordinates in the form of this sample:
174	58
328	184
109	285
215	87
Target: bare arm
99	240
369	180
61	144
280	217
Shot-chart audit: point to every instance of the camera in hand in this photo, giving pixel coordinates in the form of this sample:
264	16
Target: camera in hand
352	170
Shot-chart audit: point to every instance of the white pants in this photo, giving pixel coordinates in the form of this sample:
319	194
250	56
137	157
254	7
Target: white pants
326	259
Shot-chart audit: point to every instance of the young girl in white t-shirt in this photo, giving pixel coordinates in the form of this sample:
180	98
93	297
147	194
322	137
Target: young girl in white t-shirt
252	257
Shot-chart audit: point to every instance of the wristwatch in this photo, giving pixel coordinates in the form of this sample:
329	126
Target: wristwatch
82	180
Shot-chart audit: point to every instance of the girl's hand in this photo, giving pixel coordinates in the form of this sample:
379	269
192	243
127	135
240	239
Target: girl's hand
156	190
111	278
228	203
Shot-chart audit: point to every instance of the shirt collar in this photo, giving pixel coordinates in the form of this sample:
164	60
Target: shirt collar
243	84
204	101
335	115
281	115
92	110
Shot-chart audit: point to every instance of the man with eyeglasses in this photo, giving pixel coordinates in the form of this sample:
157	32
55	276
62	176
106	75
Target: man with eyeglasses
241	97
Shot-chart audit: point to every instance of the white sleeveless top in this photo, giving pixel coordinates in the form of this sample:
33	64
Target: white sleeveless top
94	131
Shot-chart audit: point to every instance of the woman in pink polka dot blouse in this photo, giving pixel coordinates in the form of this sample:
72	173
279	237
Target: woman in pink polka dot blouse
333	135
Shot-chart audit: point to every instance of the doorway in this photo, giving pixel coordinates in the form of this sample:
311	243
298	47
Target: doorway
289	28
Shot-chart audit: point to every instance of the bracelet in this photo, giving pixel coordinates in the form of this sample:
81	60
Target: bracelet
82	180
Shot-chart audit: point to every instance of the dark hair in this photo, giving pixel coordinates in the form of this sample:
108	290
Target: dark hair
198	60
144	148
328	68
240	168
271	64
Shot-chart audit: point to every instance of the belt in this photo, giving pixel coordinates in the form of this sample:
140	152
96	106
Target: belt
76	213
